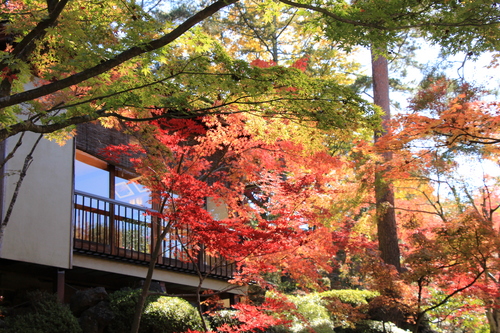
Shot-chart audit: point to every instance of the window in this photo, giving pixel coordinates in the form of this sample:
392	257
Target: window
96	177
108	216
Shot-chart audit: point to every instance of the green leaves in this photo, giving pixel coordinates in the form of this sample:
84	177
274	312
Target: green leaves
470	26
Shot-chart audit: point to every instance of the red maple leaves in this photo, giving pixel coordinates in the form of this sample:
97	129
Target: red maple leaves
266	208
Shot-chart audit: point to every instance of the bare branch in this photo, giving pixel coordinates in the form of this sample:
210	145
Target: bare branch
27	162
13	151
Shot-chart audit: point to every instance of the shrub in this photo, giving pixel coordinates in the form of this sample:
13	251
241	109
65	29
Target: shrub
348	308
352	297
44	315
170	315
324	312
311	314
221	317
372	326
278	329
122	303
161	314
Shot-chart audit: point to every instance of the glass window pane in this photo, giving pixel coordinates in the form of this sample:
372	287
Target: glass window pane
91	179
131	192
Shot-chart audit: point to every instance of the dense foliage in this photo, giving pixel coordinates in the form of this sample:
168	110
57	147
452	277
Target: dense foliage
44	314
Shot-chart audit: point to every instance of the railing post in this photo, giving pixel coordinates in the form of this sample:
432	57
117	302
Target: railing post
112	230
152	241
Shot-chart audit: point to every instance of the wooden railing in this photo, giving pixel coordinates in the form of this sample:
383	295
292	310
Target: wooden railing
118	230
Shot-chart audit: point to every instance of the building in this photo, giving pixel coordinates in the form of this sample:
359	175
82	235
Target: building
79	222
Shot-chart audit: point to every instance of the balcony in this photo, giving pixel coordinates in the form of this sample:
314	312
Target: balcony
120	231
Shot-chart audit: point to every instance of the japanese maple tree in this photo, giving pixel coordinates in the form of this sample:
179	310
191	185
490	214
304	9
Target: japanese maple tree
450	228
272	183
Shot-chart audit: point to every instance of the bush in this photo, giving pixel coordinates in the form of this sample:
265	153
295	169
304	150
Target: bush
352	297
229	317
312	314
348	308
122	303
278	329
170	315
328	311
161	314
372	326
44	315
222	317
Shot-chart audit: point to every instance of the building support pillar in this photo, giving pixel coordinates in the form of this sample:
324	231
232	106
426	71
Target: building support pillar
60	283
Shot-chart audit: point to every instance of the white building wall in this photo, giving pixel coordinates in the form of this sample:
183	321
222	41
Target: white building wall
217	209
40	230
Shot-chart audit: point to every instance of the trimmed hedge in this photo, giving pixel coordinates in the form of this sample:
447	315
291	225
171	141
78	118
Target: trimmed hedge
161	314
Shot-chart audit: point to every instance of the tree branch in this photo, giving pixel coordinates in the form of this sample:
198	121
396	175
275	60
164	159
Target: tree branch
378	26
456	291
11	154
27	44
116	61
23	50
27	162
30	126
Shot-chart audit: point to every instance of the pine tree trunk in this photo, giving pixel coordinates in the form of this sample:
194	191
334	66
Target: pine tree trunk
384	195
493	315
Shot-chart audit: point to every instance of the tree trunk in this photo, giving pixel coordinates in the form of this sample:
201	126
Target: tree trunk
384	195
493	316
136	322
